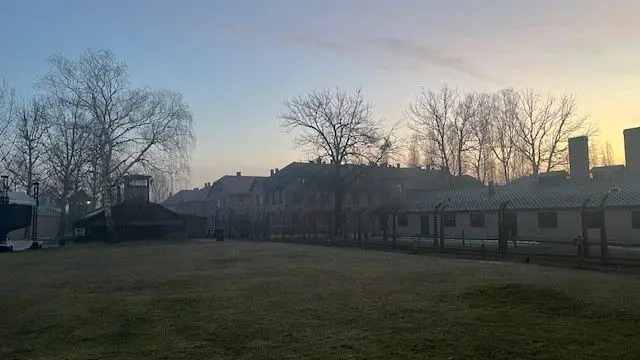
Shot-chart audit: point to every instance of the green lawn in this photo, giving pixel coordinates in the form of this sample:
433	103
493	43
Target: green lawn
235	300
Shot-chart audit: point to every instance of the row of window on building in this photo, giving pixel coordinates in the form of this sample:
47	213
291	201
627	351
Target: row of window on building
546	219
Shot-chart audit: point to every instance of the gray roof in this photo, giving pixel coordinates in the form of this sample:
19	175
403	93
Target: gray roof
184	196
20	198
369	176
535	197
234	184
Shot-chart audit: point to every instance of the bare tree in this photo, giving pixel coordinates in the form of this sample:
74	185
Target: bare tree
413	156
129	126
504	106
25	160
461	128
7	115
166	179
430	154
67	152
432	115
337	126
481	153
543	128
160	187
601	154
608	158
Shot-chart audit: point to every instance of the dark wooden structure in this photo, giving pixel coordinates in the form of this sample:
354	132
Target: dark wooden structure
12	216
136	218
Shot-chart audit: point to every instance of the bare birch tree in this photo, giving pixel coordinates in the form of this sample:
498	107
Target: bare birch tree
129	126
337	126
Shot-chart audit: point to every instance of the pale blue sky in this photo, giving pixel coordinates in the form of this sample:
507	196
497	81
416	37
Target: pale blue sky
236	61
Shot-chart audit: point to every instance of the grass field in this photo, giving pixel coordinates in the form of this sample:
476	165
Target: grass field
231	300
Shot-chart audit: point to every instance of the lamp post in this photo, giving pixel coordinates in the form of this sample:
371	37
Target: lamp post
4	199
604	246
34	221
445	205
435	225
503	229
4	192
584	246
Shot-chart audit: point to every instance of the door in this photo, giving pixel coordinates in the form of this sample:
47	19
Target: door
511	224
424	225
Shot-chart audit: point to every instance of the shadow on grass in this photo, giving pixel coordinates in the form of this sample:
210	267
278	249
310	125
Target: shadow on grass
517	321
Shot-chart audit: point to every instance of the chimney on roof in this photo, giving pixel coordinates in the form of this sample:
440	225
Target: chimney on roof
271	172
398	166
579	159
277	170
238	173
632	151
492	189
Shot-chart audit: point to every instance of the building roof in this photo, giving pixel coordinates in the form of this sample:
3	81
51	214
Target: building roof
21	198
535	197
136	177
234	184
184	196
368	176
130	212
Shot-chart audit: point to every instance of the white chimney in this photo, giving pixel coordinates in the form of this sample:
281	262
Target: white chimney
579	159
632	151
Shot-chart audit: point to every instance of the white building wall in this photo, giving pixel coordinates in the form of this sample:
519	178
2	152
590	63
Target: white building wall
619	228
569	226
463	223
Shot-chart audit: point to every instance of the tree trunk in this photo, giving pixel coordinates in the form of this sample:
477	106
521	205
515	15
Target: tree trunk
62	220
110	226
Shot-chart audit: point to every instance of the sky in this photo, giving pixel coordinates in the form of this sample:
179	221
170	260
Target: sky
237	61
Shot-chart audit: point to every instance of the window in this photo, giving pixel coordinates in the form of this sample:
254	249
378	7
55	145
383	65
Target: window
635	219
266	199
592	219
547	220
240	202
403	220
449	219
477	219
280	197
